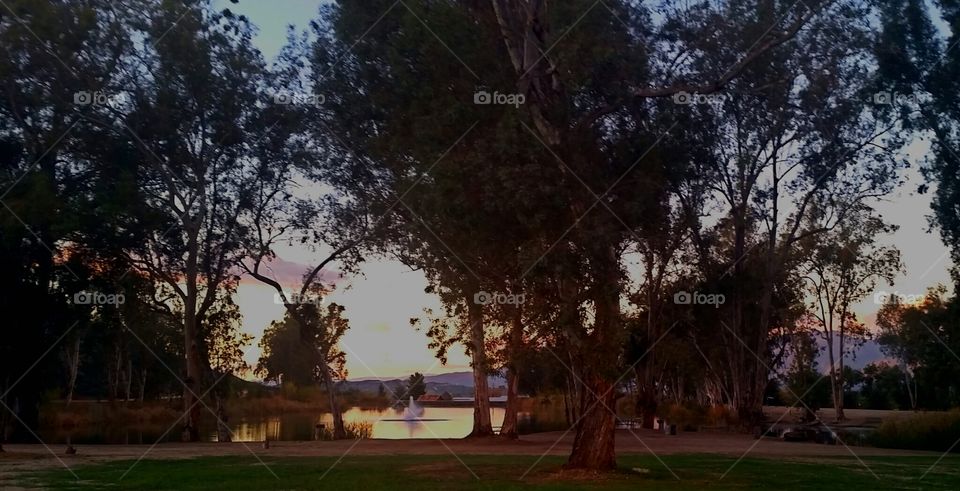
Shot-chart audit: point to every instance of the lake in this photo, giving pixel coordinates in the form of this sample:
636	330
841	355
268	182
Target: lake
436	422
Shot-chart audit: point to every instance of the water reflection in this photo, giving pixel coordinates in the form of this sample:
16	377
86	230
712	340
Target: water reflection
436	422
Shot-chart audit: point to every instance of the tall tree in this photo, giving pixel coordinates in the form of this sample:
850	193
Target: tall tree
193	114
580	136
843	267
923	336
796	144
54	54
575	119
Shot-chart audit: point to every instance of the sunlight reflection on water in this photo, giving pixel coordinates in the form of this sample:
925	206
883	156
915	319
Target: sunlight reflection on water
436	422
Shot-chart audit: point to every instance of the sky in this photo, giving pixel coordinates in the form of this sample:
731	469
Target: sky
380	302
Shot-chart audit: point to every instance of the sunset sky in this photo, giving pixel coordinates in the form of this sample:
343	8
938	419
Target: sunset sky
381	342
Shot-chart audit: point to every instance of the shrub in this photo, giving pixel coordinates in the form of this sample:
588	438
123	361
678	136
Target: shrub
924	431
356	430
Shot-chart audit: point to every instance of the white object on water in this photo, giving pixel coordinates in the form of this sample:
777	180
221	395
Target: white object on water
412	411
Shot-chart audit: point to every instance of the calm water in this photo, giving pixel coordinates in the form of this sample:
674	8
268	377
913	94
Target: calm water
436	422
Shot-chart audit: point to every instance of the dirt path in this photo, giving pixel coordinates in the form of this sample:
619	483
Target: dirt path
27	457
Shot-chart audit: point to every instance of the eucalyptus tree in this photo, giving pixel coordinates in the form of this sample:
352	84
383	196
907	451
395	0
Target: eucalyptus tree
682	52
796	143
195	114
52	53
579	137
920	69
444	181
922	335
841	268
287	358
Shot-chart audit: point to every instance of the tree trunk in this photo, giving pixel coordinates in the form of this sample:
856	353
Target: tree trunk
191	341
113	378
839	401
143	384
128	381
191	406
509	427
339	431
73	358
646	400
835	391
481	392
593	446
910	390
223	428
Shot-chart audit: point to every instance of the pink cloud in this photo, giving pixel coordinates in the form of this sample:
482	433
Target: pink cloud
290	274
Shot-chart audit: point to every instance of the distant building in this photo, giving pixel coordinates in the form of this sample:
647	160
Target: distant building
445	396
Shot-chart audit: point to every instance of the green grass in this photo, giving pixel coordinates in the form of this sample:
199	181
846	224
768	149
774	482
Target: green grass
501	473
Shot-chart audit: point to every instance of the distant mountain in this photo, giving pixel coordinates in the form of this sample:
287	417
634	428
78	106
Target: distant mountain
863	356
464	378
458	384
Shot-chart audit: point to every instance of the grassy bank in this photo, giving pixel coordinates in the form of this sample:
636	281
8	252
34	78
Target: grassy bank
309	400
695	472
923	431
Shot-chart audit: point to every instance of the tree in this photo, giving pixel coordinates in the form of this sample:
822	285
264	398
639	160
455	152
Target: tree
432	195
591	124
564	113
804	384
922	337
192	121
842	267
285	357
317	330
52	52
920	75
885	386
416	387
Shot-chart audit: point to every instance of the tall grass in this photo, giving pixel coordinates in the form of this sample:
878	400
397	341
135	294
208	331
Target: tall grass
355	430
923	431
58	415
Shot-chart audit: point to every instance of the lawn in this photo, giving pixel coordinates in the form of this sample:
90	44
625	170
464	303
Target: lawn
368	473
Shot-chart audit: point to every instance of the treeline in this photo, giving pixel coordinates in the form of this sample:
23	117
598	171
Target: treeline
663	203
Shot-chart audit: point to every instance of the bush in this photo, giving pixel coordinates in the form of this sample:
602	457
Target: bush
355	430
924	431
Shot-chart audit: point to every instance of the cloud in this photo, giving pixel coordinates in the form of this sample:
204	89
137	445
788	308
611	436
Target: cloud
290	274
